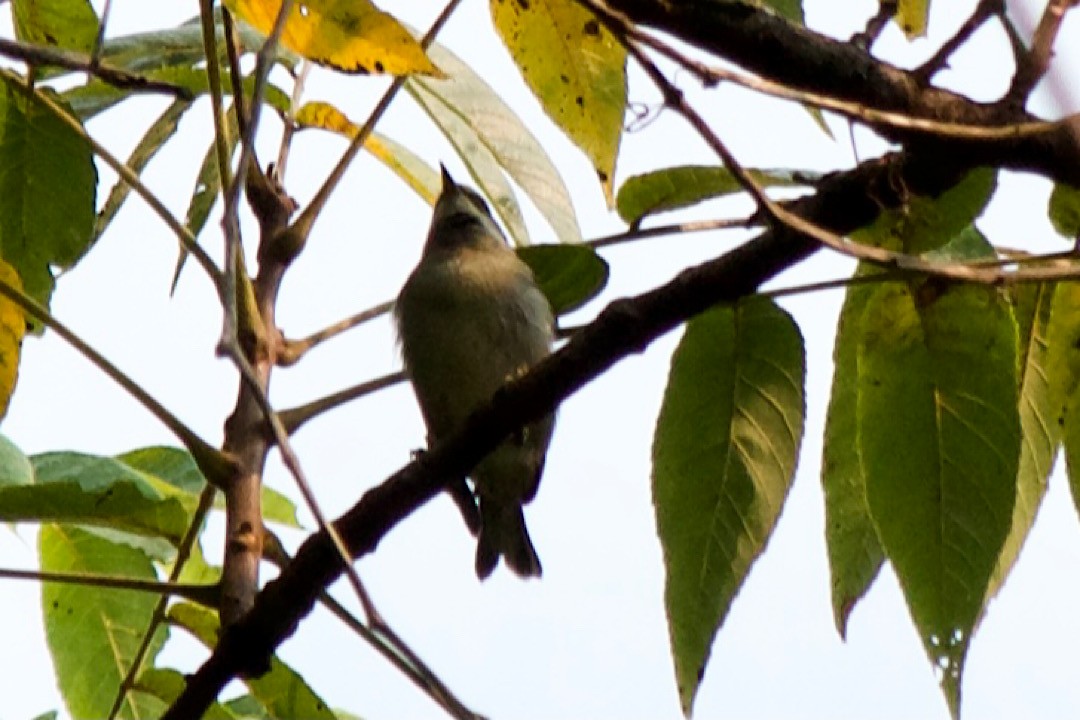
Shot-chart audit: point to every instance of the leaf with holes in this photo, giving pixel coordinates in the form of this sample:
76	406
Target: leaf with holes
939	437
575	67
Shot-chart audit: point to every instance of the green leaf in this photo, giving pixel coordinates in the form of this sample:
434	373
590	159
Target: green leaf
575	67
93	633
152	141
75	488
939	436
15	467
166	684
177	468
680	187
724	455
282	691
924	224
569	275
67	24
50	715
855	555
1049	318
486	132
47	189
1064	210
207	189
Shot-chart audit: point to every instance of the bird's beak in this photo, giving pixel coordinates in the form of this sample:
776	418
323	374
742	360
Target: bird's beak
447	181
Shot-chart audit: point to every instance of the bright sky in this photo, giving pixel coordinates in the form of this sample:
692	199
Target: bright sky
590	639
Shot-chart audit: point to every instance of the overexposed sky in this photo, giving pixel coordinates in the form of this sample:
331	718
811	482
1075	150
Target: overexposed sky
590	639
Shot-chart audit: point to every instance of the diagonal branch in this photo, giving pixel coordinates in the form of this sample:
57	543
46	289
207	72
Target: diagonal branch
35	55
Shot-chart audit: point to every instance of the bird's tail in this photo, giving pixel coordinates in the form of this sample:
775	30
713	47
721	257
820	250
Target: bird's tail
503	534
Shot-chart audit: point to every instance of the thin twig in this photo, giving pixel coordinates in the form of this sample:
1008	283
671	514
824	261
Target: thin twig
203	594
99	39
683	228
35	55
293	418
293	350
1033	65
299	81
877	22
985	10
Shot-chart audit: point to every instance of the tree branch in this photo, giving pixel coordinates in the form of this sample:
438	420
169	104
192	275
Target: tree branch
803	60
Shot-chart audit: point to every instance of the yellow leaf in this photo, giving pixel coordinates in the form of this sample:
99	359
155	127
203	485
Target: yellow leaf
415	172
12	329
349	35
911	17
575	67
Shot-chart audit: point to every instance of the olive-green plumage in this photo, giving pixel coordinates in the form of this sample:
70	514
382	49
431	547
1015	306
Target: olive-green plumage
469	317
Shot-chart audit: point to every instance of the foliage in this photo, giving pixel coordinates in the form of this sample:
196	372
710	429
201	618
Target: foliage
954	387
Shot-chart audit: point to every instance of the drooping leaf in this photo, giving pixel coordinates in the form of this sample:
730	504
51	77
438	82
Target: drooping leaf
12	329
152	141
724	456
67	24
911	16
569	275
93	633
1049	319
281	691
487	134
416	173
75	488
575	67
939	437
1064	210
855	555
349	35
47	190
680	187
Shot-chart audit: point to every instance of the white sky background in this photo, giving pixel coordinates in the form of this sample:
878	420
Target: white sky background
590	639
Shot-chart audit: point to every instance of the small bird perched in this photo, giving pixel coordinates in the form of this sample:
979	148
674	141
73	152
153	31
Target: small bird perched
469	318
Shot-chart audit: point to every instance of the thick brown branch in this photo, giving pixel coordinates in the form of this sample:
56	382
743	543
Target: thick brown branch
770	46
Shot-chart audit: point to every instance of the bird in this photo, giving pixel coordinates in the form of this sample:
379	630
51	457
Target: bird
469	318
